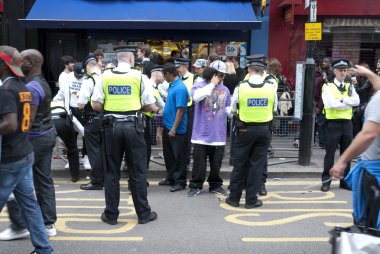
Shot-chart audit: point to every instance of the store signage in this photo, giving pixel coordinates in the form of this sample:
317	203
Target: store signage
313	11
313	31
231	50
298	96
307	4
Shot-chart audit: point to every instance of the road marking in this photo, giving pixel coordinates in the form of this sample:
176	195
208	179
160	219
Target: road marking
97	215
293	239
61	225
89	207
275	210
234	218
277	194
97	239
305	202
68	191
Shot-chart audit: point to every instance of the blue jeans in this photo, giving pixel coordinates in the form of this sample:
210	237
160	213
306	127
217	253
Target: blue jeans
17	177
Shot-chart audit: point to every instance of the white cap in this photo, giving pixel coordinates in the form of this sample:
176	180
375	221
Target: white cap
219	66
199	63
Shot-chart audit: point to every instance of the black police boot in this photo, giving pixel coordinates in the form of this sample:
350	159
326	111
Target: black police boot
263	190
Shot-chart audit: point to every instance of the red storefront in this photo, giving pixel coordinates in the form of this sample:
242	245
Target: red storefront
351	29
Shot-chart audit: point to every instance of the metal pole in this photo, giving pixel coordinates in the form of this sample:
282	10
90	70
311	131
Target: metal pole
307	123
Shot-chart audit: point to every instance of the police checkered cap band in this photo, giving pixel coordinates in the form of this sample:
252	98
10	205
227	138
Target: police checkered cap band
181	61
11	57
219	66
87	60
126	48
258	63
156	68
341	63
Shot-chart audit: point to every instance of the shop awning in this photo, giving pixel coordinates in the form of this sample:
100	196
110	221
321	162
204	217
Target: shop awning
142	14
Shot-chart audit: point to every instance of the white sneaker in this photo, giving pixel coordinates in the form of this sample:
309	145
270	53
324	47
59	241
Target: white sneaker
86	163
9	234
67	166
51	230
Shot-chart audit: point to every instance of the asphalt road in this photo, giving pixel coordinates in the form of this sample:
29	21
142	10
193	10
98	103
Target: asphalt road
292	221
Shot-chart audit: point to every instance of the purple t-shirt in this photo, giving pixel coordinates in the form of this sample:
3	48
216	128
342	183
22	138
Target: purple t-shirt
210	118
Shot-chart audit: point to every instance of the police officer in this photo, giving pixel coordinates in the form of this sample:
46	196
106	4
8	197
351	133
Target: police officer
254	101
92	128
188	78
122	94
338	98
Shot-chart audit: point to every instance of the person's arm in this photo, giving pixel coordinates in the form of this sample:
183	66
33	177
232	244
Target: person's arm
330	102
373	78
353	100
148	101
97	98
8	113
85	93
198	93
362	141
232	109
178	118
38	94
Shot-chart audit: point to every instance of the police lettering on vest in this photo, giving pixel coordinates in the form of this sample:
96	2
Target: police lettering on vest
119	90
257	102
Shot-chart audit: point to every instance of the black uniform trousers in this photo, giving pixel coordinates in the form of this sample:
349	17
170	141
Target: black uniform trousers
215	155
338	132
69	136
119	139
189	132
148	140
175	157
92	135
250	157
79	114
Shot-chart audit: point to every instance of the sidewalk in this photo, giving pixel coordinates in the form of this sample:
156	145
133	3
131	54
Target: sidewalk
283	164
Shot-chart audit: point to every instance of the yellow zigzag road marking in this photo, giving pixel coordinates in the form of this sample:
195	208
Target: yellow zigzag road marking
89	207
103	239
340	224
261	210
276	194
234	219
295	239
62	226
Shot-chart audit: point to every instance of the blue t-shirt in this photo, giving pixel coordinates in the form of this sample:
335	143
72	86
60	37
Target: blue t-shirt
177	98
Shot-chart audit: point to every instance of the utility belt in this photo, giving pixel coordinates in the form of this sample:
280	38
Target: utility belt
90	116
240	125
137	119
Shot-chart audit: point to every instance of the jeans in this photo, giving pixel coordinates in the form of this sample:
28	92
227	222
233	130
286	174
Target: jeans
42	176
17	177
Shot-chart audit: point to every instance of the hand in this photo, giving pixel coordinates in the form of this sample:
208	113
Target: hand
362	71
172	134
317	111
337	170
215	80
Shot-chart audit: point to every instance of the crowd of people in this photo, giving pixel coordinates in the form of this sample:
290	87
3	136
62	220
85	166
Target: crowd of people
112	105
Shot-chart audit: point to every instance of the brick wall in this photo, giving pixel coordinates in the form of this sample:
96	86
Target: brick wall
346	45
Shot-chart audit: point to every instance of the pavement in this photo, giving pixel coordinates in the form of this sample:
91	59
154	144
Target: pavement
283	164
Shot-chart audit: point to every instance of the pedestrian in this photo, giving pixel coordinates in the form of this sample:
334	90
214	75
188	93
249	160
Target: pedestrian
175	120
68	96
144	52
367	145
122	95
92	127
199	65
231	79
42	136
257	100
338	99
17	153
188	78
320	118
240	72
211	98
68	62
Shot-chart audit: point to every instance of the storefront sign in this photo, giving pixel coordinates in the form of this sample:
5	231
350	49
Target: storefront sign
298	96
313	31
231	50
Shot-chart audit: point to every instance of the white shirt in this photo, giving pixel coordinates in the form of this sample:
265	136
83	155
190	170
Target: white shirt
69	93
147	96
331	103
159	101
87	88
163	89
254	79
62	79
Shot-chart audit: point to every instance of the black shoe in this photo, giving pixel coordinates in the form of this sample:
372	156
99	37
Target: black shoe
263	190
106	220
177	187
344	185
257	204
325	188
152	217
90	186
232	203
75	179
166	182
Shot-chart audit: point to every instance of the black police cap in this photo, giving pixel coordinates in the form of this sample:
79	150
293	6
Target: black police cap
125	48
340	64
87	60
181	61
156	67
258	63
